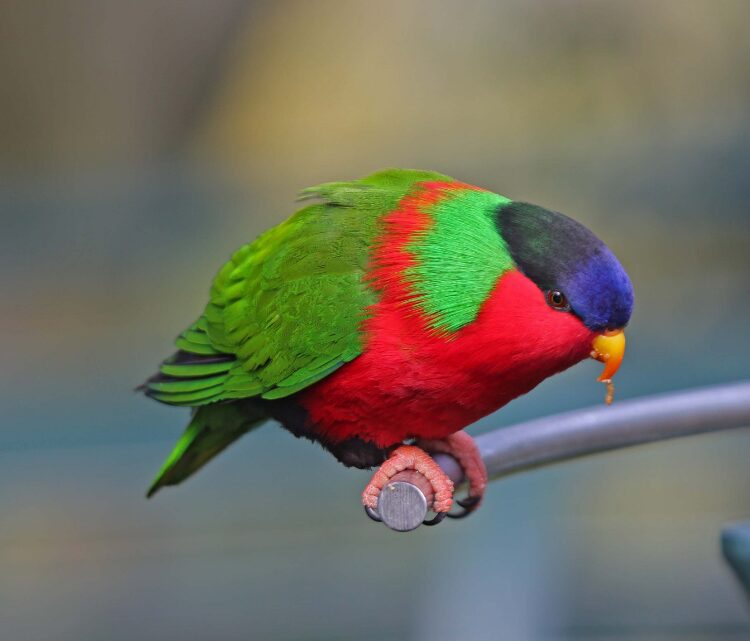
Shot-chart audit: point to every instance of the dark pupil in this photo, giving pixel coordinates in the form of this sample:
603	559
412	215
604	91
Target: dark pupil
557	298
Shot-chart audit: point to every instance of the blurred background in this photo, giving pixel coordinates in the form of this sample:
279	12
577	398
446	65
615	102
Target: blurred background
141	142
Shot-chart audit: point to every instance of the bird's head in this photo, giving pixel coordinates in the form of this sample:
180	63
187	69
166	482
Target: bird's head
577	275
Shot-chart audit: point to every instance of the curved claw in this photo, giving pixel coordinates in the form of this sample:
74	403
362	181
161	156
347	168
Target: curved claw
436	519
469	504
373	514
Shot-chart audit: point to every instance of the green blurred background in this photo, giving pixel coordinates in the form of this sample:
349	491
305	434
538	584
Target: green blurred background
141	142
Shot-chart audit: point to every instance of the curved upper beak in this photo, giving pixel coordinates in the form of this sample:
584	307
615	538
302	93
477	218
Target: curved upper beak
609	348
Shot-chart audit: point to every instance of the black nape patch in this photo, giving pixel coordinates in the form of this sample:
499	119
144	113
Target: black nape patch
559	254
546	245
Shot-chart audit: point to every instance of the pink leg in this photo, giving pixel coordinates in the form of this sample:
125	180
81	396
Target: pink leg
410	457
462	447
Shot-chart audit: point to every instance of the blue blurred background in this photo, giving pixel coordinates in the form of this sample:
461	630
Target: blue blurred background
141	142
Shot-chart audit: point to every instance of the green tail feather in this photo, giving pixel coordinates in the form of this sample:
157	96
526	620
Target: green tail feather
211	429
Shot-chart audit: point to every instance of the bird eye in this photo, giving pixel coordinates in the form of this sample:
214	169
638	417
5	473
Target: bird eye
556	300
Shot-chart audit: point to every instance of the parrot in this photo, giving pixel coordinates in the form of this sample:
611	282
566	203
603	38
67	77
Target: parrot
384	317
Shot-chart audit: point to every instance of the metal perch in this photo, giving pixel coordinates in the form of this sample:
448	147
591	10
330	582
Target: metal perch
405	501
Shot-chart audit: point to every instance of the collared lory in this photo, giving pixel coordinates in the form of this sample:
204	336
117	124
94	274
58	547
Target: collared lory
387	316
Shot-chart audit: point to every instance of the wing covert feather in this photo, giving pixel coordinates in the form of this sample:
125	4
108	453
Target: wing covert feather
287	309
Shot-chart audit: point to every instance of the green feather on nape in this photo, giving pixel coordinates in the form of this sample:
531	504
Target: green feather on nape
460	258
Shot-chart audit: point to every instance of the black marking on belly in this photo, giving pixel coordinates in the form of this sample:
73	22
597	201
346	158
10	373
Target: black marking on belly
353	452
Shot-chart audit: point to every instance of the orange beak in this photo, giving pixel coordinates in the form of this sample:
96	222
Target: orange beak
609	348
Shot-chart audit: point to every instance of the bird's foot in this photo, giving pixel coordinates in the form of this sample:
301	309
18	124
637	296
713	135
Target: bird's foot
462	447
411	458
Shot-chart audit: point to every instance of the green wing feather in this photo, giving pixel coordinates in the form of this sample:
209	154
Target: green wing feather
285	312
212	428
287	309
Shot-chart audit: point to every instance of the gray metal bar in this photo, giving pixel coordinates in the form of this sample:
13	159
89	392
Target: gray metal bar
590	431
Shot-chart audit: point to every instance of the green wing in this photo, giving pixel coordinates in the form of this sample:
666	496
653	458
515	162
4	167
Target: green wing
212	428
287	309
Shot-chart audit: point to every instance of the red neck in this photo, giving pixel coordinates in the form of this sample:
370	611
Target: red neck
519	339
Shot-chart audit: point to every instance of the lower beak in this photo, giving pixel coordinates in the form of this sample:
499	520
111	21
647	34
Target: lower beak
609	348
